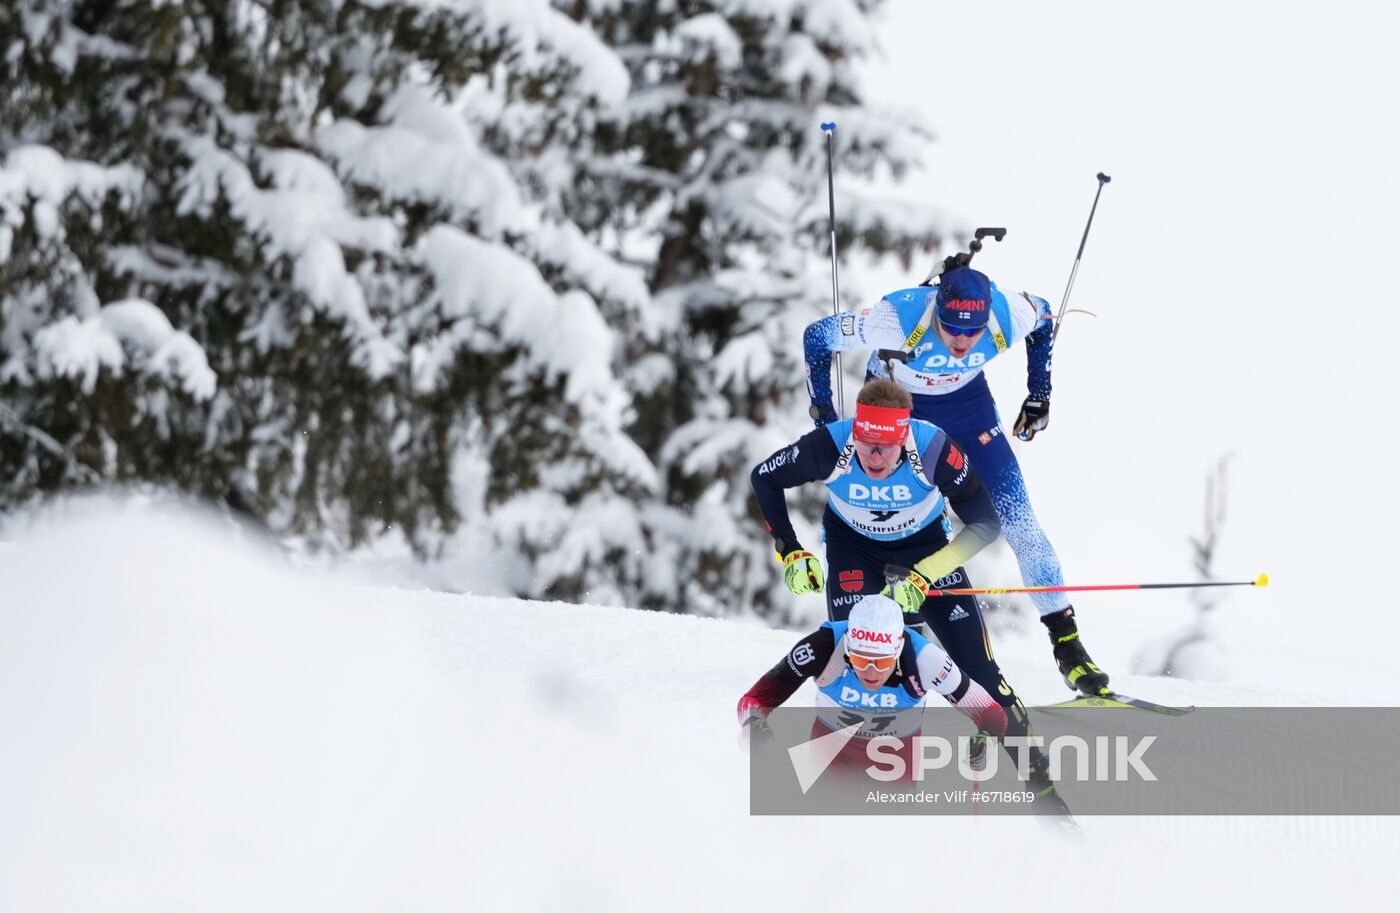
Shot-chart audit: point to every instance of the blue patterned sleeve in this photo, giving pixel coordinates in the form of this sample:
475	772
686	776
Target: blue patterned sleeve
1038	346
818	344
875	327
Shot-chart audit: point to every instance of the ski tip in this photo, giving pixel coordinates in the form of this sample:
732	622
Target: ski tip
1262	581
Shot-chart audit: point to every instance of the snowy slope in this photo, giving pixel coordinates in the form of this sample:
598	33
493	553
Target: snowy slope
189	724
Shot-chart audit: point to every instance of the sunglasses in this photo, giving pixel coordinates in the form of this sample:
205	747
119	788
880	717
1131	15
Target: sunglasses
875	445
960	331
878	663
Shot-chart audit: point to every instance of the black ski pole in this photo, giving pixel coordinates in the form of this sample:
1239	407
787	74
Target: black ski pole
1064	303
829	129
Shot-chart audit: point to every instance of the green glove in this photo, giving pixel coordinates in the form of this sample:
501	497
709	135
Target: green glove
802	572
909	590
977	751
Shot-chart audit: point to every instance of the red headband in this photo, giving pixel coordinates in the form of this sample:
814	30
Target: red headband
880	424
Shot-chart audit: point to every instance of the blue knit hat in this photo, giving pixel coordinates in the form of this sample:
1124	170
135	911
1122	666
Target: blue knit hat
964	299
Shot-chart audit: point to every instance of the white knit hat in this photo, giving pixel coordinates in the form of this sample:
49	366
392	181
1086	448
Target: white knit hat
875	627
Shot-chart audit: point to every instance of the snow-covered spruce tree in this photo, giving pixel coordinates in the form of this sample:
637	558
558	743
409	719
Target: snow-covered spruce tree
712	176
257	251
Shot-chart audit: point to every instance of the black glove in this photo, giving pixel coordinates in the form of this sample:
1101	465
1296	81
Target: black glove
823	415
1035	415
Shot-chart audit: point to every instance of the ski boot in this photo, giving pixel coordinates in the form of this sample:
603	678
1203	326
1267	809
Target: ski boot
1073	660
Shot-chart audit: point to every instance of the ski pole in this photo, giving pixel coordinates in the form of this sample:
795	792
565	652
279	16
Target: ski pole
1064	303
1261	580
829	129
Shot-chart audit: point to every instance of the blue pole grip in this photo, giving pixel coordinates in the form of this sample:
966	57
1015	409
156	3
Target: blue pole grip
829	127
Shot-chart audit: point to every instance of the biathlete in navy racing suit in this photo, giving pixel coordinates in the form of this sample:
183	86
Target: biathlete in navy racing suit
888	478
947	334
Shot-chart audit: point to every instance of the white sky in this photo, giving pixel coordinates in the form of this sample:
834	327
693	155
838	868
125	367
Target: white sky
1240	264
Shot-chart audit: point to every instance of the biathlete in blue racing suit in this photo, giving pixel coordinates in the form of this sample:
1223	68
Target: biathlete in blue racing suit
942	337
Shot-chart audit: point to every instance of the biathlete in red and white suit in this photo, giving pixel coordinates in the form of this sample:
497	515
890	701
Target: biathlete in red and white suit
871	670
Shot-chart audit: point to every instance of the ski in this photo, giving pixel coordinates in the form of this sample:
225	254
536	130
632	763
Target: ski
1121	701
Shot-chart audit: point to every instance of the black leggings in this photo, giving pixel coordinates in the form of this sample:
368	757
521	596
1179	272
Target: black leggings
856	567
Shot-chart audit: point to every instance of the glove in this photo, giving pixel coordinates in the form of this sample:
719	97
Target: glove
977	751
754	730
1035	415
823	415
755	733
908	590
802	572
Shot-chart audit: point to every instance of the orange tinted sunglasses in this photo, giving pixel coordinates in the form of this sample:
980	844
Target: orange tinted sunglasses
878	663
